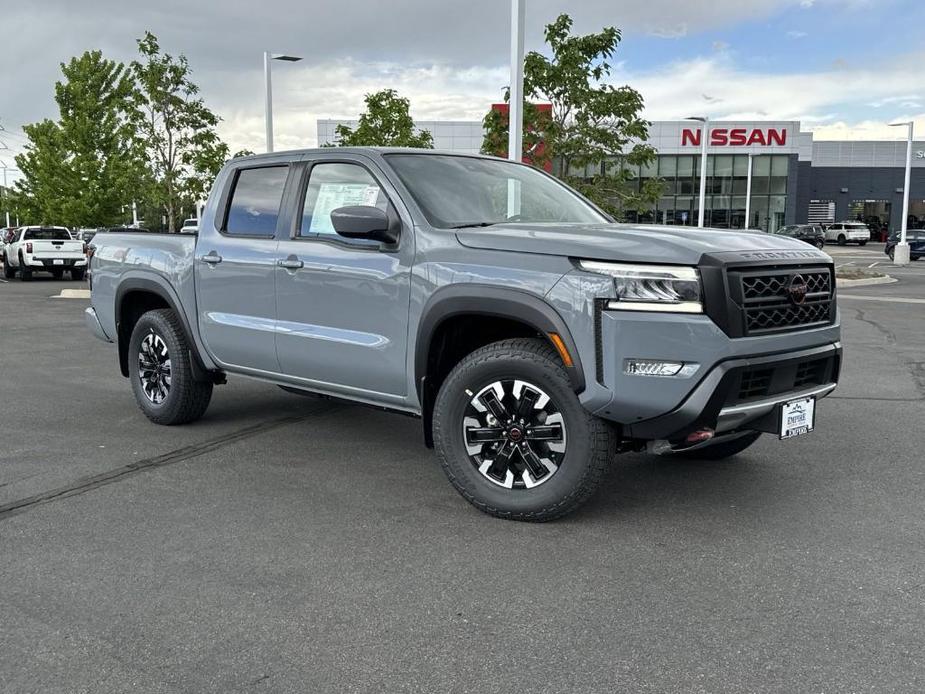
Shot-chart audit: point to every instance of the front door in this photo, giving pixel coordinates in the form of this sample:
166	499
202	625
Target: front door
236	271
342	304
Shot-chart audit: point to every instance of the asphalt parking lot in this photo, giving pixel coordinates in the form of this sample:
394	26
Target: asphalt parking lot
287	544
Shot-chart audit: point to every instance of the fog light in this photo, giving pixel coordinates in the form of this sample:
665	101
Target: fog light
651	367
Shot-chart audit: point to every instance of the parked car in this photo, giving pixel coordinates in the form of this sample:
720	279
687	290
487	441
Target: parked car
5	235
812	234
914	237
190	226
844	233
533	337
44	249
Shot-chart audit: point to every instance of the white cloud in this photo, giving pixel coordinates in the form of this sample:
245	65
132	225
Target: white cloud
795	34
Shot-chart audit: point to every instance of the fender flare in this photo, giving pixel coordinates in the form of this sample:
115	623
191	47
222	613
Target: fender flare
151	286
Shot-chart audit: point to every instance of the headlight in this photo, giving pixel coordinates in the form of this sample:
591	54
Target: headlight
651	287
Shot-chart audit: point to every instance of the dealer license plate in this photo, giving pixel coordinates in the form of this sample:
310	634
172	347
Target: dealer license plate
57	261
797	417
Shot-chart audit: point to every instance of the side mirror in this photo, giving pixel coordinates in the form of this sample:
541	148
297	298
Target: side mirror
364	222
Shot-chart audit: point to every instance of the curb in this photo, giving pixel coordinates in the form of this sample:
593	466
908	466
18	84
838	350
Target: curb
886	279
73	294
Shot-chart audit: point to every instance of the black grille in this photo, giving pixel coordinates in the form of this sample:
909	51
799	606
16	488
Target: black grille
754	383
772	299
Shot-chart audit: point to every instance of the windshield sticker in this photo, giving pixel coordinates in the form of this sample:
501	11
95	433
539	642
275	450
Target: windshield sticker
334	195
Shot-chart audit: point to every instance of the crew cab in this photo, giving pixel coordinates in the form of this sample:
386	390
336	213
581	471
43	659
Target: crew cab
844	233
533	336
44	249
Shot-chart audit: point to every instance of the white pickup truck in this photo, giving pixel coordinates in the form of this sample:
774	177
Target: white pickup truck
44	249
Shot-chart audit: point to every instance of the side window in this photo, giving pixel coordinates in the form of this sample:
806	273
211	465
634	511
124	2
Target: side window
336	185
255	199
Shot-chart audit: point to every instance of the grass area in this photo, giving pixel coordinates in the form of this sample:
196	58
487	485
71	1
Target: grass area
850	272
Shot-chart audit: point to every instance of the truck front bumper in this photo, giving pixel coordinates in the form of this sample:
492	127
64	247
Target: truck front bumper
727	384
746	394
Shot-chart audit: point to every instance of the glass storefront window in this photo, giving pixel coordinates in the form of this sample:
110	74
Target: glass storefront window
779	165
778	204
649	170
667	166
726	187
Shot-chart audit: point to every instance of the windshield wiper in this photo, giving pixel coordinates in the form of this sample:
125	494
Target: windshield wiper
473	225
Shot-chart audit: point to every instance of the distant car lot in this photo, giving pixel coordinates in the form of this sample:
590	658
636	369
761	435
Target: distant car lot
292	544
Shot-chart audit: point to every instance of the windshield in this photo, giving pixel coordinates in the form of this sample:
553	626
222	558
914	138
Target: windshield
46	235
458	192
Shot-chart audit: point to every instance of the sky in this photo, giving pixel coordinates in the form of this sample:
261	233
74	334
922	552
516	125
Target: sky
845	68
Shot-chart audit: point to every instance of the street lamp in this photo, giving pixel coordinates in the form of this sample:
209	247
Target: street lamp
704	136
267	57
516	114
901	253
748	189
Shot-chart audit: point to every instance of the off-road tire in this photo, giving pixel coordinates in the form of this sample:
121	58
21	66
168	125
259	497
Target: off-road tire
842	240
187	399
721	450
9	272
591	442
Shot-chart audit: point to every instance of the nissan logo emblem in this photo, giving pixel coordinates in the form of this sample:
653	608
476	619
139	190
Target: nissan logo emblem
798	289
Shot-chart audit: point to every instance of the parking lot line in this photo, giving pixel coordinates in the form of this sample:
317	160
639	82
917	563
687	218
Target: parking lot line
886	299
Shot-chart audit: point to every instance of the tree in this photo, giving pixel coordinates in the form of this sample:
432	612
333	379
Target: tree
594	134
78	171
386	123
176	131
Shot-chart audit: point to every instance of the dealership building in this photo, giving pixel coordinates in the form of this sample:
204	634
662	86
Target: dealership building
795	179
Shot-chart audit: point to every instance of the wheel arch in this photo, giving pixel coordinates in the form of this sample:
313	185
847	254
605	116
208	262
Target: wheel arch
135	297
502	312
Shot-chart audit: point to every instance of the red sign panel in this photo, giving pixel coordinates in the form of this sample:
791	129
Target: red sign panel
737	137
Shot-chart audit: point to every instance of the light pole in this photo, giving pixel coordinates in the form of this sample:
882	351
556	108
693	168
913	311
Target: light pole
268	85
748	190
704	137
5	192
515	139
901	252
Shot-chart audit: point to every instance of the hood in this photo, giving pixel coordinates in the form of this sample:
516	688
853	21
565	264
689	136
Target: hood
627	242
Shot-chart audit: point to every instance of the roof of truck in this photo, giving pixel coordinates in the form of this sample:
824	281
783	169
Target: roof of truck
361	150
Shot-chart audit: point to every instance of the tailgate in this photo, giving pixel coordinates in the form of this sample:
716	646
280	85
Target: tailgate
56	249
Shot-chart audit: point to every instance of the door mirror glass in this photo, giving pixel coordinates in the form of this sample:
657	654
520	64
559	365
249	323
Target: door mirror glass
363	222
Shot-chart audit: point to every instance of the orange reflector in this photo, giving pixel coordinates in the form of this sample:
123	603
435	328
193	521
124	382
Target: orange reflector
560	348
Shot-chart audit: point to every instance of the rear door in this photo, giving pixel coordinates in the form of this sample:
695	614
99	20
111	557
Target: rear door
236	269
342	303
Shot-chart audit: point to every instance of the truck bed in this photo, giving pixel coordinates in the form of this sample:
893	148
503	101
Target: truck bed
126	259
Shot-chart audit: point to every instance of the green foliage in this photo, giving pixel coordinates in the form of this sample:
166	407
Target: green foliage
78	171
175	131
595	129
386	123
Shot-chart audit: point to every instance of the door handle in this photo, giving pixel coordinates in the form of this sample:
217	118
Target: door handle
290	263
212	258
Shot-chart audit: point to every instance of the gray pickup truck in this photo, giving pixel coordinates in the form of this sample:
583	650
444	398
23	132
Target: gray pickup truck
534	337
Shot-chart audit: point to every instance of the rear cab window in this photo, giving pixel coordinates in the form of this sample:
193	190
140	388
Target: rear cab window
46	235
254	203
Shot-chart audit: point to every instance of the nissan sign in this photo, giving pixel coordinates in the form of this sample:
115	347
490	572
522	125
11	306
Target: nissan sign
737	137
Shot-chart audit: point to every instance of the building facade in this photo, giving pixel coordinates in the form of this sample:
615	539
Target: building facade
795	179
